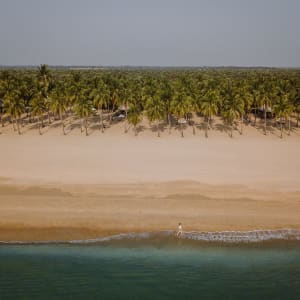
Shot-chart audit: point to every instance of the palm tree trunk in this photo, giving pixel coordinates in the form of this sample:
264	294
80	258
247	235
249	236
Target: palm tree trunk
231	130
265	113
255	113
81	125
194	129
39	125
111	113
125	126
125	130
99	119
157	128
181	128
86	127
206	129
289	126
13	123
297	120
135	130
281	127
62	121
18	125
49	119
102	124
242	121
169	121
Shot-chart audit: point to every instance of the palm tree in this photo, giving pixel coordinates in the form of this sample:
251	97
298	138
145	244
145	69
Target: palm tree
83	108
248	99
14	105
232	110
115	100
2	94
43	73
28	90
209	107
283	109
265	101
100	98
180	106
155	111
134	116
45	84
127	94
1	113
7	90
243	99
75	86
58	105
38	109
255	96
74	89
165	93
296	104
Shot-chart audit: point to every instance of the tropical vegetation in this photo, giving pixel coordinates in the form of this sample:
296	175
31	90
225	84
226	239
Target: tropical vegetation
169	98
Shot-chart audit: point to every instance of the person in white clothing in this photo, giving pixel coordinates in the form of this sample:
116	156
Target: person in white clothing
179	232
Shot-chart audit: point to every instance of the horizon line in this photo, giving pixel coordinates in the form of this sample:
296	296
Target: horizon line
146	66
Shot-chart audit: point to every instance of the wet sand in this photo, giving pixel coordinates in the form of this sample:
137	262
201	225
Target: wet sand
68	212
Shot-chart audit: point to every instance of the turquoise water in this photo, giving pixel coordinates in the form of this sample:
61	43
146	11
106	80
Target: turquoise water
153	269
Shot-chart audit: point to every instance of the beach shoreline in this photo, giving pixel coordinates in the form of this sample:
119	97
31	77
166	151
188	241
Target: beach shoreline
32	213
55	187
266	237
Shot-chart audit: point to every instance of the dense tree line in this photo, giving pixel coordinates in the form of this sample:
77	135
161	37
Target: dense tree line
172	96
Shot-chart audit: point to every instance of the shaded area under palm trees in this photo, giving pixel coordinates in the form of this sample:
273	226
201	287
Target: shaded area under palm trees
169	99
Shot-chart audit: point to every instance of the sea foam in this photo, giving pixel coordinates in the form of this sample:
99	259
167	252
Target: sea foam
218	236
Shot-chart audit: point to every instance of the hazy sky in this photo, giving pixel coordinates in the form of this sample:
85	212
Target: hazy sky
150	32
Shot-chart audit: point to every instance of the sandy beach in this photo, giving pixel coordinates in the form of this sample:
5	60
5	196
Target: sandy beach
56	187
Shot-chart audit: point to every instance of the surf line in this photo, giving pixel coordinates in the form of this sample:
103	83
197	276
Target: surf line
221	236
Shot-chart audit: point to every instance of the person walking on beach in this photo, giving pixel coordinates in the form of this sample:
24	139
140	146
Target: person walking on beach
179	232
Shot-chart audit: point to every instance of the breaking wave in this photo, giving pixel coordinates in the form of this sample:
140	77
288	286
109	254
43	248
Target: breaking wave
221	236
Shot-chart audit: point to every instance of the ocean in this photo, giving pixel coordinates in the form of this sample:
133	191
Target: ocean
153	268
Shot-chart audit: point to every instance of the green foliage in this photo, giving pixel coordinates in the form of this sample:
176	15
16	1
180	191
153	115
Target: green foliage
83	107
209	103
233	108
134	116
58	103
155	109
38	105
283	107
160	93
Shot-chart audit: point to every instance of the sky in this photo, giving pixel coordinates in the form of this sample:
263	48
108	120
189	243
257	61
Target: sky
150	32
